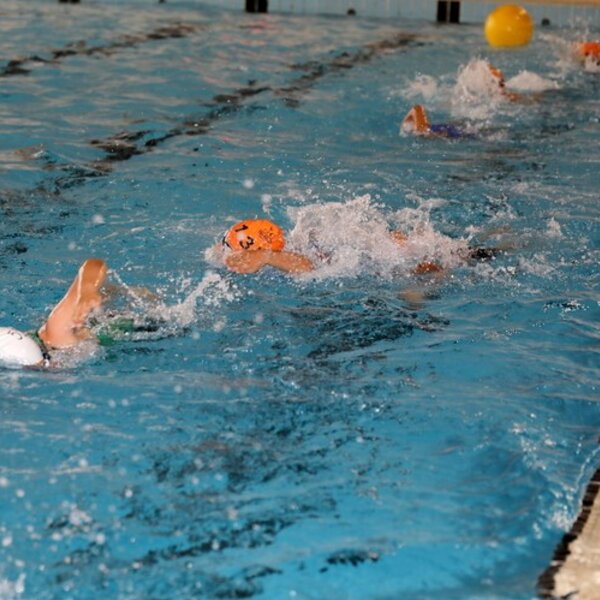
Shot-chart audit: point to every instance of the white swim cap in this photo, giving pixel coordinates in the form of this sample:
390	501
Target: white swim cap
18	349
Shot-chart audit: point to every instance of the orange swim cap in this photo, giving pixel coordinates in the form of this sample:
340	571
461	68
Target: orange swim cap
257	234
589	49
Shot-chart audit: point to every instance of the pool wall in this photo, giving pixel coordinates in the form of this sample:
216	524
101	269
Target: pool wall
559	13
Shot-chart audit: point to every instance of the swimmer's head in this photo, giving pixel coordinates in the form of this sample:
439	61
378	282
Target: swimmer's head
415	121
18	349
588	51
257	234
589	48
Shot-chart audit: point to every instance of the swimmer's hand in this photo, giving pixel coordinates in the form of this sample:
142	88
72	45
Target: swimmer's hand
253	261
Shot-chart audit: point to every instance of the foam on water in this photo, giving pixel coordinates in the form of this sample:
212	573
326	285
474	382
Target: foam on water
211	292
591	65
564	51
553	229
561	51
71	358
154	318
347	239
423	86
10	590
476	94
526	81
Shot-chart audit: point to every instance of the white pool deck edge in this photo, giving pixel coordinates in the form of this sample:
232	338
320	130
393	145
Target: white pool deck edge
574	572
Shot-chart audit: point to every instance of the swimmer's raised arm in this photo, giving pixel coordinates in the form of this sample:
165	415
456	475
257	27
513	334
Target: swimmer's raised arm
416	121
66	324
399	237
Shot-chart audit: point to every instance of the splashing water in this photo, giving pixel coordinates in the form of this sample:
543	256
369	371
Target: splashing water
553	229
346	239
212	290
476	93
147	316
591	65
526	81
423	86
10	590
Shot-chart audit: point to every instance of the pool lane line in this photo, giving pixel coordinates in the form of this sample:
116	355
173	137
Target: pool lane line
574	571
315	70
124	145
17	66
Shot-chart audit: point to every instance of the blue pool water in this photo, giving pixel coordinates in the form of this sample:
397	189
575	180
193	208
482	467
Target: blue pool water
321	437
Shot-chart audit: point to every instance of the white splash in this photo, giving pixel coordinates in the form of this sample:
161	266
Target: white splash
141	314
476	94
561	51
553	229
212	290
591	65
10	590
346	239
71	358
537	265
526	81
423	86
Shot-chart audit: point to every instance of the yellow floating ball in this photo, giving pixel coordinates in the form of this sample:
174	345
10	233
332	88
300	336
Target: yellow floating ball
508	25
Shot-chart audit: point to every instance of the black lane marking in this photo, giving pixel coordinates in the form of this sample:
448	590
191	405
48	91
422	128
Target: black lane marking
546	581
315	70
122	146
18	66
125	144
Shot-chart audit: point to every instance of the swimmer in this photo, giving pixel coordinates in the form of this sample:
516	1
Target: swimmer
416	122
253	244
66	325
588	52
256	243
500	83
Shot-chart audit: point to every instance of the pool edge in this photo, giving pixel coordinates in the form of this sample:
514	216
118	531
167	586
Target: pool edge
574	571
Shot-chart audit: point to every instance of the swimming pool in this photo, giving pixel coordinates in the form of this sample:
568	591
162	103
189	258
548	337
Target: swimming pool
305	438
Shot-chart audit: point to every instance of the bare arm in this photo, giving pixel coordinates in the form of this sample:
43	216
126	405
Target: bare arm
253	261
